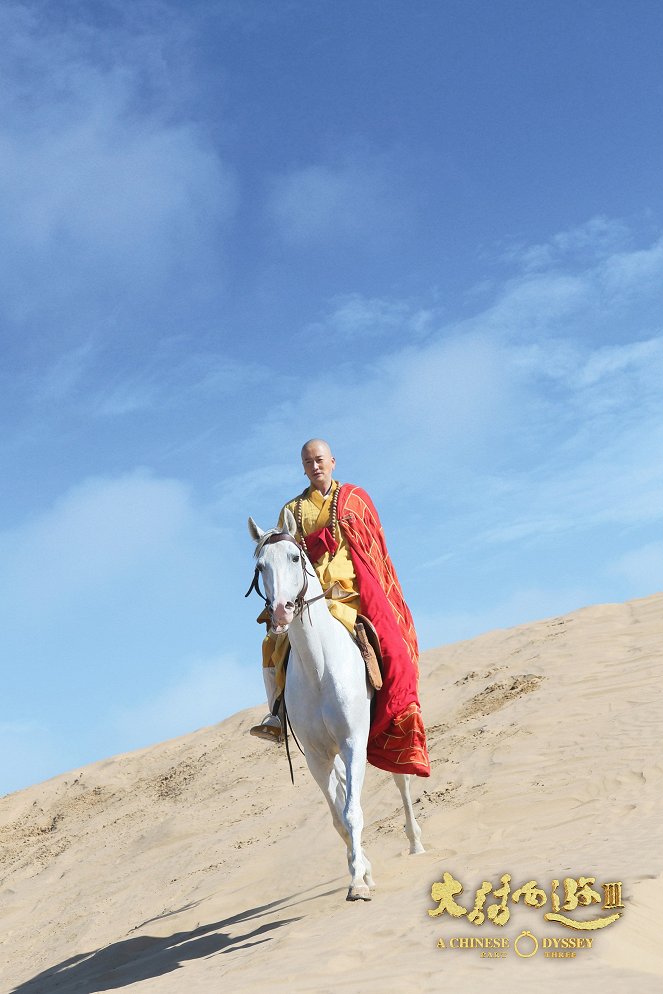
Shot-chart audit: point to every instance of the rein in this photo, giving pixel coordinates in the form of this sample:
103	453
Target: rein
287	725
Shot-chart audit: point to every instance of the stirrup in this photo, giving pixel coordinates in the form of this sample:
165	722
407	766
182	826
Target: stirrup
269	729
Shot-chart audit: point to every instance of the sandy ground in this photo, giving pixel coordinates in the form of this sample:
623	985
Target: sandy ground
195	866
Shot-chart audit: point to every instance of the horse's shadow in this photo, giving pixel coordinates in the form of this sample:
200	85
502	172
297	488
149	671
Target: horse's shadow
144	957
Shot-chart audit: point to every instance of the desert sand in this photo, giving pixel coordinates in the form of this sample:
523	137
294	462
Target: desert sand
195	866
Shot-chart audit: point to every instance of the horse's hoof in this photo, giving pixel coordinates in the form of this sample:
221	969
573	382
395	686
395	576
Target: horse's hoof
416	848
358	892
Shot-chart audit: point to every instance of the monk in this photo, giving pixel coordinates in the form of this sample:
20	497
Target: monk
340	529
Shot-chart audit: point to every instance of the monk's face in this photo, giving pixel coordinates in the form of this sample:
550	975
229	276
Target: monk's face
318	465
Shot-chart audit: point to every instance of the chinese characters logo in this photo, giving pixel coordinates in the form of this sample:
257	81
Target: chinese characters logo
577	893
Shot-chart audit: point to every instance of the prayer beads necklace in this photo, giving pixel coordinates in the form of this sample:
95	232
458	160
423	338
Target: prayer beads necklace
332	515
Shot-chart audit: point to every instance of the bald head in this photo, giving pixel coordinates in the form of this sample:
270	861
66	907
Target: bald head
318	463
314	443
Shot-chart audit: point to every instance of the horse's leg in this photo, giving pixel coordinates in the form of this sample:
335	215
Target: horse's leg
412	830
324	773
354	758
339	774
330	776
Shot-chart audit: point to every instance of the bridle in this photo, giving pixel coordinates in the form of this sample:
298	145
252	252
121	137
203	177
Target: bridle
300	600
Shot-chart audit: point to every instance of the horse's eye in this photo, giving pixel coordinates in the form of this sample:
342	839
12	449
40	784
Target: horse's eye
295	558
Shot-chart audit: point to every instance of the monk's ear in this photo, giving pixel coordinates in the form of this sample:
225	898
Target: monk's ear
255	532
289	523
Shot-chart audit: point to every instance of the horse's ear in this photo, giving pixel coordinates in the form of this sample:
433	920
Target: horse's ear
289	522
255	532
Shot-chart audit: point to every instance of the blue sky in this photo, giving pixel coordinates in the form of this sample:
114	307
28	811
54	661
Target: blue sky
431	232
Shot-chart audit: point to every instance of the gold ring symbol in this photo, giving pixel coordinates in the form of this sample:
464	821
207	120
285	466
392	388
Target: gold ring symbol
526	935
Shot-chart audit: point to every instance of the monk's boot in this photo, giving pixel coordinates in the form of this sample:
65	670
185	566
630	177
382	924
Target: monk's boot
270	727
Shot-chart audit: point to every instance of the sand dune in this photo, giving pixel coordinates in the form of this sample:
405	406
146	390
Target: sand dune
195	865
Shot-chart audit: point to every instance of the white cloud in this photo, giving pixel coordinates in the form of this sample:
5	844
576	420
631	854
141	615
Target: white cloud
243	490
109	202
105	194
172	380
642	567
95	535
625	276
354	317
600	296
354	199
125	397
105	599
532	306
515	424
204	693
64	374
596	238
417	404
522	605
641	358
91	380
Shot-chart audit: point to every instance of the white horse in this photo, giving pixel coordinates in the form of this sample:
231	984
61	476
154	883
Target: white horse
327	694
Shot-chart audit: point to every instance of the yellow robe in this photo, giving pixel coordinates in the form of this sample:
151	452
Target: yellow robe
335	572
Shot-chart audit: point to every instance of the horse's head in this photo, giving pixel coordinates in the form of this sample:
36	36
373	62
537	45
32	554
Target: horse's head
282	568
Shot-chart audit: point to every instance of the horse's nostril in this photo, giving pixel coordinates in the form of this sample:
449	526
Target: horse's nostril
290	604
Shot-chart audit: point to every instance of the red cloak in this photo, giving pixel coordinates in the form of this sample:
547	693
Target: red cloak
397	738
